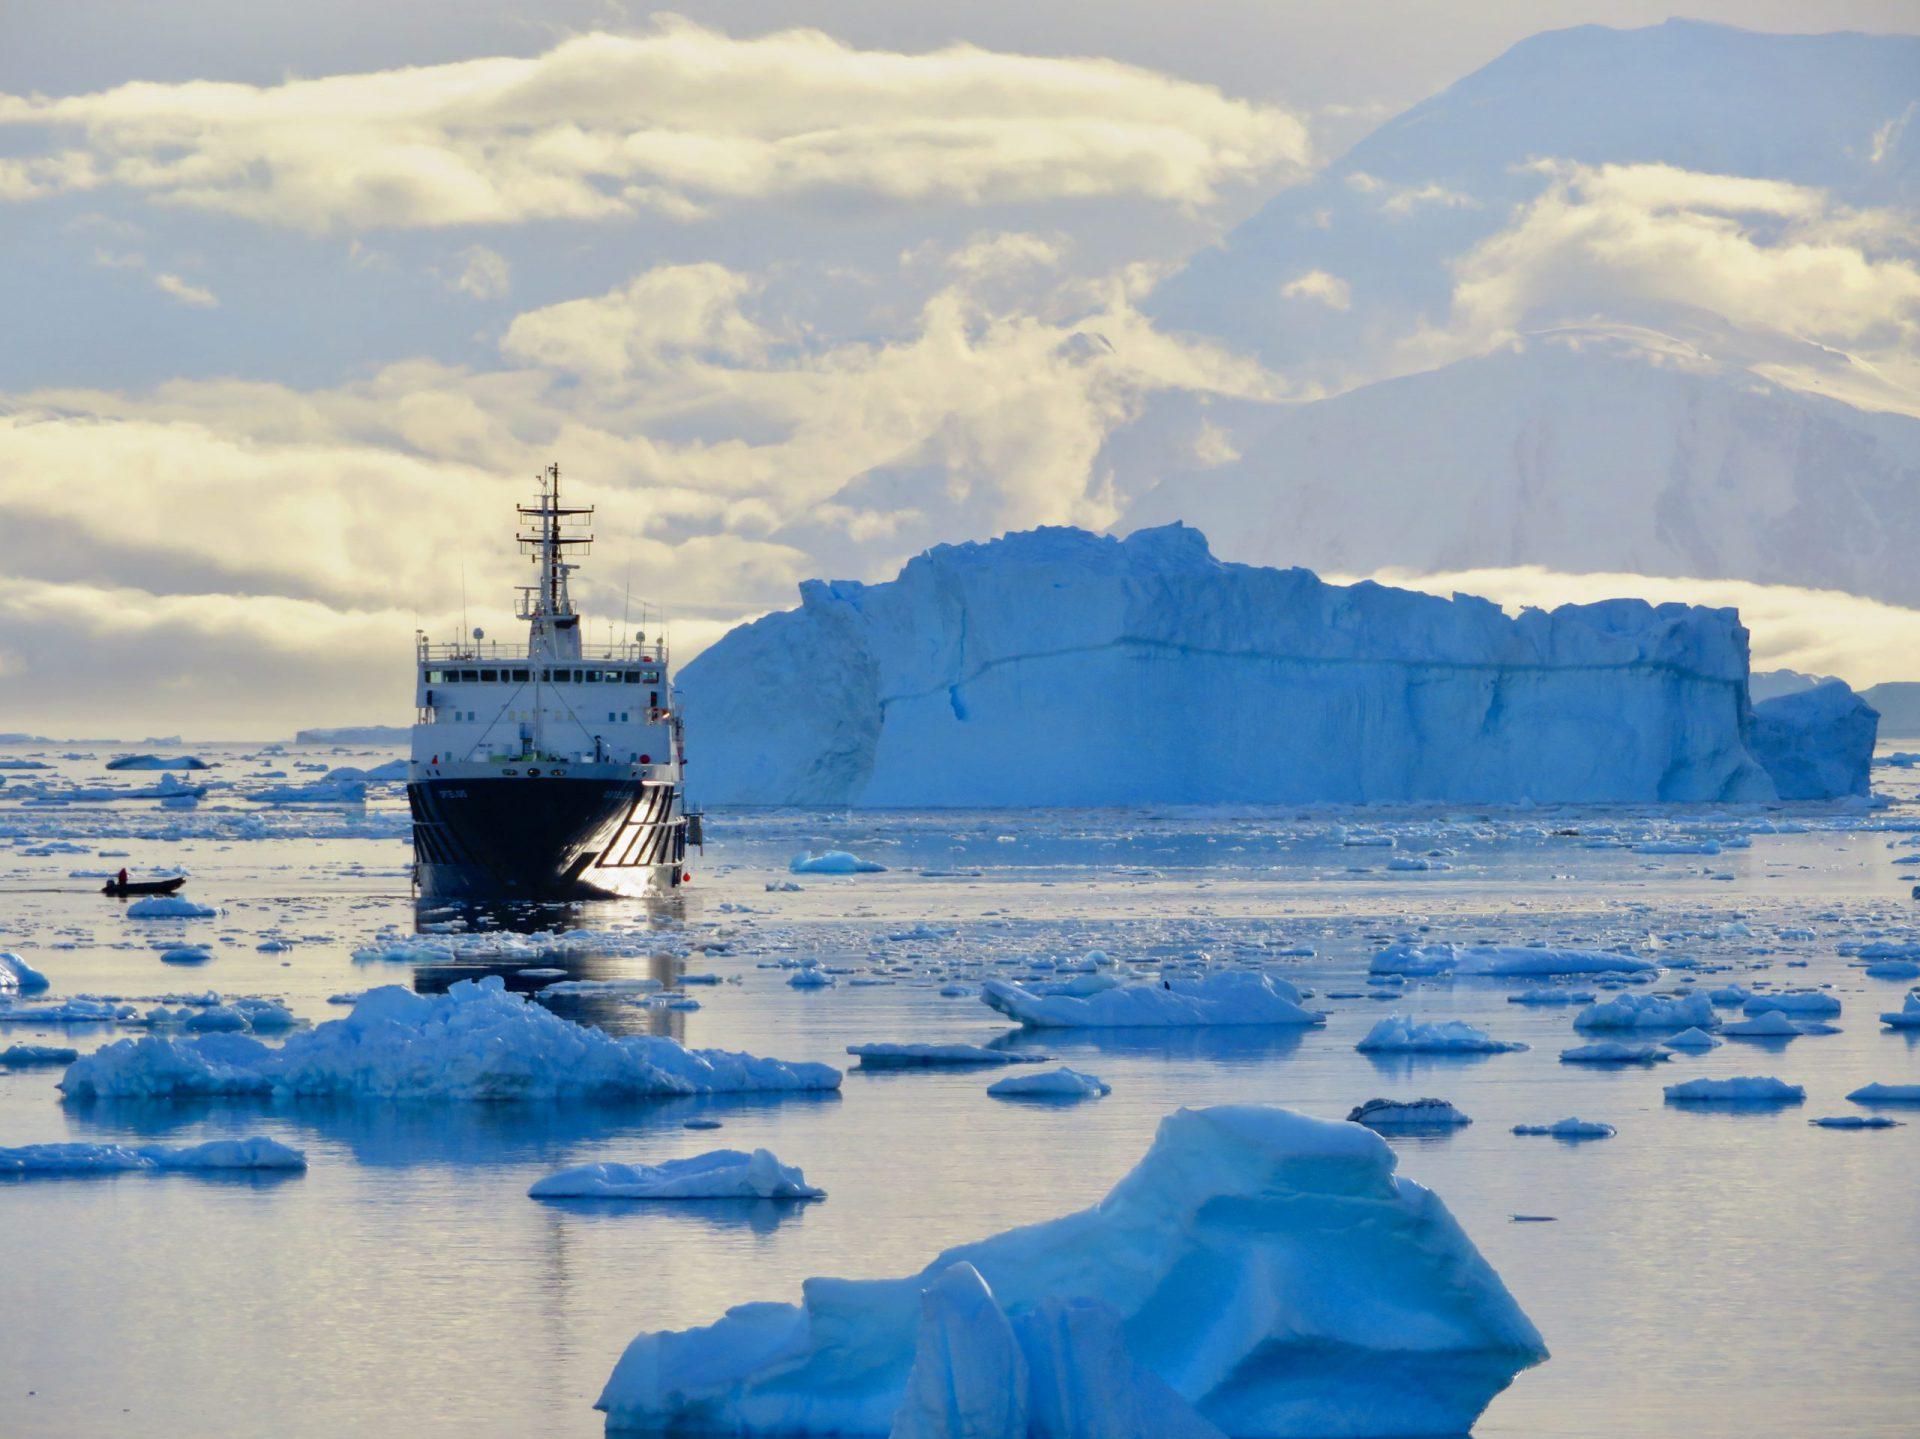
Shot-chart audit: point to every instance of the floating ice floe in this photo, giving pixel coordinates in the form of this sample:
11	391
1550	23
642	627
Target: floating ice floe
85	1159
1649	1011
28	1056
325	791
1795	1001
1205	1290
1061	1084
721	1174
1747	1089
1692	1039
1855	1121
78	1010
1612	1051
1501	960
1893	969
169	906
154	761
811	976
1235	996
1772	1024
478	1041
19	977
929	1056
1905	1017
1398	1035
1886	1094
1548	994
1398	1114
833	861
186	954
1569	1129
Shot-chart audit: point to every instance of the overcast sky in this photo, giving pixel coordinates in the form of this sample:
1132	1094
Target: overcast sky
299	299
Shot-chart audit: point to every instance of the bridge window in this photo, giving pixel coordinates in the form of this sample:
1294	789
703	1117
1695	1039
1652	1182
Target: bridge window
520	677
470	676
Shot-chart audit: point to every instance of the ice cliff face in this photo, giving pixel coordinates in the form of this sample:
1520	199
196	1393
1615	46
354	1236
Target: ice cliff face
1818	743
1057	667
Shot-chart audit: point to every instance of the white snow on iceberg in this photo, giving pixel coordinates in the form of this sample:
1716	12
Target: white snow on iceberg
1267	1268
478	1041
1234	996
1649	1011
1065	649
719	1174
168	906
833	861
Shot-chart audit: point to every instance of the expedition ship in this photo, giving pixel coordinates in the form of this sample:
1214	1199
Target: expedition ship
548	770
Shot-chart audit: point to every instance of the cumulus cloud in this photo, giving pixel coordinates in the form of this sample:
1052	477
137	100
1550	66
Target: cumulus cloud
1321	288
1824	632
676	119
484	274
1755	251
658	318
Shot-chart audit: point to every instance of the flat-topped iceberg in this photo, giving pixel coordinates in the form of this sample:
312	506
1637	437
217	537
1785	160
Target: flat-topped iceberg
1061	1085
1745	1089
1501	960
1086	657
936	1056
1399	1035
89	1159
478	1041
1568	1129
1247	1249
718	1174
1233	996
1794	1001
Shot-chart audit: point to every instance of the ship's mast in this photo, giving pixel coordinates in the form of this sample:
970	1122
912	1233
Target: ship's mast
547	538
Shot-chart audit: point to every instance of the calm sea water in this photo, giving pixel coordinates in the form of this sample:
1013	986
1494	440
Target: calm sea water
1706	1274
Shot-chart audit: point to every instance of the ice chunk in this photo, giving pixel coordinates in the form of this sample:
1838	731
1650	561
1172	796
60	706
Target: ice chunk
478	1041
1033	670
1905	1017
1649	1011
1397	1114
931	1056
83	1159
1501	960
1247	1246
1855	1121
1692	1039
168	906
325	791
833	861
969	1378
78	1010
1796	1001
1569	1129
1770	1024
1817	743
1061	1084
1234	996
720	1174
25	1056
811	976
1612	1051
1453	1036
186	954
1886	1094
154	761
19	977
1747	1089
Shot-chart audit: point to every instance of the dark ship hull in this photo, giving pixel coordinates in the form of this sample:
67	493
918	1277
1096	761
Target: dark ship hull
560	838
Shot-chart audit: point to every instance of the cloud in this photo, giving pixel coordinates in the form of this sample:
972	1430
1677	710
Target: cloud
1824	632
676	119
1320	288
658	318
186	292
484	274
1757	252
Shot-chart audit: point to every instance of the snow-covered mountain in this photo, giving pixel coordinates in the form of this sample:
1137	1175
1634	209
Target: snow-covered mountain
1057	667
1583	449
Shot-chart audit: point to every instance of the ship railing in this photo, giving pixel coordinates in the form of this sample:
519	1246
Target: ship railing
483	651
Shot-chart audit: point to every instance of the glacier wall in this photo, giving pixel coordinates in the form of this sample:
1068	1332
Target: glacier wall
1057	667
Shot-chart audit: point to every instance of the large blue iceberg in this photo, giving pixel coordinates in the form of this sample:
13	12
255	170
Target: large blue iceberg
1258	1273
1058	667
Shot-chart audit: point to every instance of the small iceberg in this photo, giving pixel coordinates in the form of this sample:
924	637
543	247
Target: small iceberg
88	1159
477	1041
1692	1039
936	1056
1235	996
186	954
1396	1035
168	906
1886	1094
720	1174
154	761
811	976
34	1056
1796	1001
1905	1017
1649	1011
833	861
1061	1085
1569	1129
1753	1090
1771	1024
19	977
1612	1051
1153	1313
1855	1121
1399	1114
